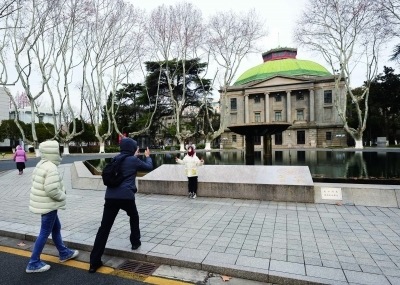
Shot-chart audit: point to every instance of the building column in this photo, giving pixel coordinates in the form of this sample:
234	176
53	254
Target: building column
246	108
267	149
288	108
249	156
266	107
312	108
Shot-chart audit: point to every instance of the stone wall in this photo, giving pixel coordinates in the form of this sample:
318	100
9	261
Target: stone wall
248	182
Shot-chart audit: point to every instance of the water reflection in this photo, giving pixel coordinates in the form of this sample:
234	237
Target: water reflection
322	164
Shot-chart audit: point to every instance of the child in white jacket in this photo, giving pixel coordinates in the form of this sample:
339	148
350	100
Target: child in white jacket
191	161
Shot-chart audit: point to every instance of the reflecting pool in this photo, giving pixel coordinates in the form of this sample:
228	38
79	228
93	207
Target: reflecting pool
325	166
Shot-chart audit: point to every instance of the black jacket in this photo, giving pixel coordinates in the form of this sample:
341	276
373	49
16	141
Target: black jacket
129	168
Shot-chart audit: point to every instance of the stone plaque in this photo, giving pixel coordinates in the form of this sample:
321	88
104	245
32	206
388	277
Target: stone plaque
330	193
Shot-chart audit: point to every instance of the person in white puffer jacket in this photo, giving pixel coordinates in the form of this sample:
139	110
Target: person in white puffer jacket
191	161
47	196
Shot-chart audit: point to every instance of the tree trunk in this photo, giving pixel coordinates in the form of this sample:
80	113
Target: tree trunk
208	146
359	144
66	149
36	146
102	147
182	146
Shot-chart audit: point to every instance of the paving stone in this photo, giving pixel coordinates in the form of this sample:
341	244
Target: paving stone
324	272
388	264
166	249
297	259
253	262
350	266
347	259
288	267
313	261
393	280
221	257
278	256
365	278
390	271
370	269
262	254
331	263
295	252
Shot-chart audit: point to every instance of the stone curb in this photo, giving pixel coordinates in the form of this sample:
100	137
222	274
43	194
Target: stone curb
244	272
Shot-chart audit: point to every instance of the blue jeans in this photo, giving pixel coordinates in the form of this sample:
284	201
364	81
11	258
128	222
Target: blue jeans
50	224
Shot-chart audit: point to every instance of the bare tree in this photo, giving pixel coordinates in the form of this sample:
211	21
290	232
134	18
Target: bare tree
27	28
112	46
175	33
7	8
391	12
347	33
68	35
230	38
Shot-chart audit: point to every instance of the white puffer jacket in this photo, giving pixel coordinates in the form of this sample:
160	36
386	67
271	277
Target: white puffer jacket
191	163
47	191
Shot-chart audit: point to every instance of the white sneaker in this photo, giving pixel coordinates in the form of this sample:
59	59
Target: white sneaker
190	195
75	254
41	269
194	196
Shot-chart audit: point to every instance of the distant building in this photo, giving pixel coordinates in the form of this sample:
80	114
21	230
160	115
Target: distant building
216	106
24	115
286	89
7	112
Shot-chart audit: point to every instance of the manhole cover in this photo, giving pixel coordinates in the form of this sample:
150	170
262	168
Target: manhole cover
138	267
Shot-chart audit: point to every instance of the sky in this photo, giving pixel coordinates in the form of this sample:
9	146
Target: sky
280	17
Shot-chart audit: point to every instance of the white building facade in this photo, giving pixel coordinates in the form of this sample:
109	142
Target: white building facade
4	111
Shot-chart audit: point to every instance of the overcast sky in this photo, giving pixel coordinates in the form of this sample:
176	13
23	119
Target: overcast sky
279	17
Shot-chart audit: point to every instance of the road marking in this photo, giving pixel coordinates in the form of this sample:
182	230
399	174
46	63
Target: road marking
104	269
50	258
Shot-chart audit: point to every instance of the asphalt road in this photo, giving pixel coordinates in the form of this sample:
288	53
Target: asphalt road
12	272
10	164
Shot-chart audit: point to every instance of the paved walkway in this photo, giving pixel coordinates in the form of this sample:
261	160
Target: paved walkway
260	240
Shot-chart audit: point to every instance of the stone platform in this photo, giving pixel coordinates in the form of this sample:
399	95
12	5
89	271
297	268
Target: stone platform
250	182
266	183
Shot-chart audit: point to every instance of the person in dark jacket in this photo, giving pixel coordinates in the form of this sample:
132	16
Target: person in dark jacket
121	197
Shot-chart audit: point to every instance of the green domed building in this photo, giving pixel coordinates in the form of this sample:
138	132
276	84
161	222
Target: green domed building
286	89
278	62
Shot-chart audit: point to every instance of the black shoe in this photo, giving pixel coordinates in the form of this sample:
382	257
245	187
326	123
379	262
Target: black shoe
136	246
93	267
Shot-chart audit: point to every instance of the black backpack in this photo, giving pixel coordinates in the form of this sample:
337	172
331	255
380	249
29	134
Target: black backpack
112	176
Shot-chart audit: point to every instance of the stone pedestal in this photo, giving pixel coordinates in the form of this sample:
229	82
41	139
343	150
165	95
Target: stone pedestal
269	183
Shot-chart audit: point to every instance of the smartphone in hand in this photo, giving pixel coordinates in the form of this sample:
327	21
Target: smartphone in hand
137	152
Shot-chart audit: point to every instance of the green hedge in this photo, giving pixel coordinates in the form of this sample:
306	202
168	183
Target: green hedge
200	146
112	149
86	149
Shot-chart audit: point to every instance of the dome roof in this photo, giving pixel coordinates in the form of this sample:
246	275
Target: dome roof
281	66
